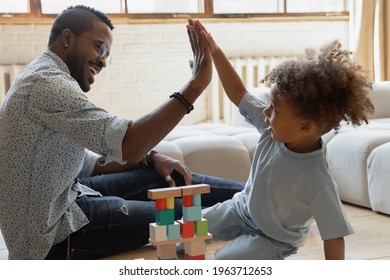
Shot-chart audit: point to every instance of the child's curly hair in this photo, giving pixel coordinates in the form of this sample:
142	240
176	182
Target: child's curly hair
326	88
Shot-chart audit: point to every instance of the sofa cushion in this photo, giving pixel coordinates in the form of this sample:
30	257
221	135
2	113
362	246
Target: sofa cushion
216	155
215	149
347	155
378	124
380	97
170	149
250	140
378	170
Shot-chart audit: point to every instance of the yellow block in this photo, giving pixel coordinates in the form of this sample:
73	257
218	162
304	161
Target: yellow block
170	203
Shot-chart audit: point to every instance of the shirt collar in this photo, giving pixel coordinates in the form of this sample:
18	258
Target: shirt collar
57	60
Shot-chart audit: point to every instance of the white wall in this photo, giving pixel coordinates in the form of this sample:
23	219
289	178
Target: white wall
150	61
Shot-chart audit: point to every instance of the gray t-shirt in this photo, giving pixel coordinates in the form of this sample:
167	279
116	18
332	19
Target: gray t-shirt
286	190
48	126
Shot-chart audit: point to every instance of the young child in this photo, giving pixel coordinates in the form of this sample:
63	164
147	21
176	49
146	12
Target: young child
290	184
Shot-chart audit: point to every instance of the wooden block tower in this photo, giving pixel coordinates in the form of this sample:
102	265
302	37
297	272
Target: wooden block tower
192	229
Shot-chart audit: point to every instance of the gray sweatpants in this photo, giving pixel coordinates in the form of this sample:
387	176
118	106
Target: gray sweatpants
245	243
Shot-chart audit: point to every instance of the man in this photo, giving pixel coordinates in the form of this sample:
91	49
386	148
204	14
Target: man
54	142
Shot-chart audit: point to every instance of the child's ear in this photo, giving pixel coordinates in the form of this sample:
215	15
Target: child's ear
307	125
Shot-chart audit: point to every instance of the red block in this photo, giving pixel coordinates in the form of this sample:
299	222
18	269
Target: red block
161	204
187	200
187	229
188	257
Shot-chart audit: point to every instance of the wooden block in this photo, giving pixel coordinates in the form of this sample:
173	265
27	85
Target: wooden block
193	213
190	239
157	233
186	229
173	231
165	217
195	248
201	257
166	252
201	227
195	189
170	202
161	204
164	193
196	200
187	200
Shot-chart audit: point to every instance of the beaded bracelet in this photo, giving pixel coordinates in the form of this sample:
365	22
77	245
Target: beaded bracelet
183	101
147	161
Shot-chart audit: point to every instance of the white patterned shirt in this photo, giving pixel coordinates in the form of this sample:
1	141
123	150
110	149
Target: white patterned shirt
48	126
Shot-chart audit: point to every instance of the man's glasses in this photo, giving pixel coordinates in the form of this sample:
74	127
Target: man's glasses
102	49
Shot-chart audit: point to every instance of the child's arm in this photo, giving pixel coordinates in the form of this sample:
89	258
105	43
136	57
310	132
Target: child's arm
334	249
231	81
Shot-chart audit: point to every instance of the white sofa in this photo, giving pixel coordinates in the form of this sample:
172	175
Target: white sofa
214	149
359	157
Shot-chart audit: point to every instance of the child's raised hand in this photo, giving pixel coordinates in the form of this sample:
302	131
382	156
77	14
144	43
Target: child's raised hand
207	36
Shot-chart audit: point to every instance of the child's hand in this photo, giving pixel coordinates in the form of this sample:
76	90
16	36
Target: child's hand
205	34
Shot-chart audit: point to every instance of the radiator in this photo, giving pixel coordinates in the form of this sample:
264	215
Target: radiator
8	73
251	70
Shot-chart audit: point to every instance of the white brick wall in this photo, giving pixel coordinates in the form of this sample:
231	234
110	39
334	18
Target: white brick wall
150	61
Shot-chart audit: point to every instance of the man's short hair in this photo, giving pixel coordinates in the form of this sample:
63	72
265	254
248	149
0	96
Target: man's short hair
78	19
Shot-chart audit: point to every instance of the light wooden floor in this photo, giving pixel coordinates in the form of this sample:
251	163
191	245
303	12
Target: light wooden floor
371	240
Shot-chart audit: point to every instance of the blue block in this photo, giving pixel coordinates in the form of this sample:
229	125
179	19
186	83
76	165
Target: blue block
196	200
173	231
192	213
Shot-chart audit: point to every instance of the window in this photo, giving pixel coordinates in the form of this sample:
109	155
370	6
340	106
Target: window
121	6
180	8
14	6
278	6
57	6
313	6
248	6
163	6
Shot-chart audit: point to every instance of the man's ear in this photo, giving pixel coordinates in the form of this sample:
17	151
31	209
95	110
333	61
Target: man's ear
67	38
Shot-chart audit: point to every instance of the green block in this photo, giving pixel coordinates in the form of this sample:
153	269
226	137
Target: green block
201	227
192	213
165	217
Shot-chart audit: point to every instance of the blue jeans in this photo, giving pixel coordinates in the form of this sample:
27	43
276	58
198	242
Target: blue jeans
119	220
